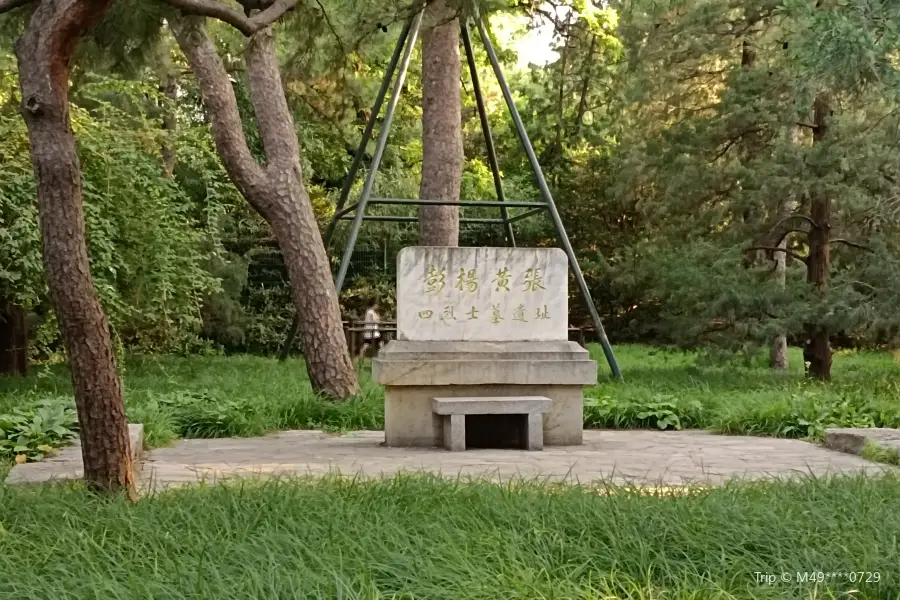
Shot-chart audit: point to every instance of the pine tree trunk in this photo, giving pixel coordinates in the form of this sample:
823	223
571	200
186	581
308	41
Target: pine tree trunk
44	52
779	351
13	340
817	352
328	360
442	151
276	192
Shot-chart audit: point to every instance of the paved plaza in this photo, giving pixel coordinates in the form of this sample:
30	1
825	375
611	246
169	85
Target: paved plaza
646	458
636	457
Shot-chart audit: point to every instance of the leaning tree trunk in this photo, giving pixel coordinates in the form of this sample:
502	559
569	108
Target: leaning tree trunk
44	52
817	352
442	152
276	192
13	339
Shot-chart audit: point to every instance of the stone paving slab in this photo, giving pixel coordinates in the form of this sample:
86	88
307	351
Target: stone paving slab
854	440
635	457
67	464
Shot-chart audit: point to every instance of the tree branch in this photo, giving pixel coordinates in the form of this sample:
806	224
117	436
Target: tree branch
791	253
334	32
8	5
851	244
779	232
267	17
276	126
246	25
216	10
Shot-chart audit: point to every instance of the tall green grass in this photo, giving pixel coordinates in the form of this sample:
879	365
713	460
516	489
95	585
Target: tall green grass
415	537
745	397
248	396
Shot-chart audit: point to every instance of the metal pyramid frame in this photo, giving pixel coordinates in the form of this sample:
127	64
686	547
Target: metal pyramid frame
401	58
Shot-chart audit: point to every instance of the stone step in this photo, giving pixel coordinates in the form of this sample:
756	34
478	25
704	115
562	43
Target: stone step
503	405
854	440
453	412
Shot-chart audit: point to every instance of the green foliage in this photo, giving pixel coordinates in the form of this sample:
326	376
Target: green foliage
712	138
36	431
878	453
676	389
146	252
423	537
223	396
672	134
662	412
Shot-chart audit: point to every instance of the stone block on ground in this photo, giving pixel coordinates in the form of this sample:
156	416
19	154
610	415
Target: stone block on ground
854	440
67	465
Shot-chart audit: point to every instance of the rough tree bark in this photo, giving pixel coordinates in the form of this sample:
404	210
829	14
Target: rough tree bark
779	350
44	52
817	351
442	151
13	340
276	191
168	86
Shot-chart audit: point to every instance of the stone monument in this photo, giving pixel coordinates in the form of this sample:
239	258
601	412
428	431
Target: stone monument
481	324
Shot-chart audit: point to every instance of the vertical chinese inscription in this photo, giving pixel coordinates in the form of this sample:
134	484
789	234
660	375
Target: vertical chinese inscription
467	281
519	314
534	281
495	314
435	280
502	280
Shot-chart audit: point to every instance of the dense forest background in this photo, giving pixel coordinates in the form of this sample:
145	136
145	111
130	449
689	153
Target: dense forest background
685	142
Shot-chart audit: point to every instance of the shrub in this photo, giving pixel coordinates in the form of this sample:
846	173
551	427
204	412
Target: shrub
31	433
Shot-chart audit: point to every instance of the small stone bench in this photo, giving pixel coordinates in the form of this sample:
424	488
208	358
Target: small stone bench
453	412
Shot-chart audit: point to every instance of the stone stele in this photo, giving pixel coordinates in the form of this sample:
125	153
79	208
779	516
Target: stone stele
482	294
481	323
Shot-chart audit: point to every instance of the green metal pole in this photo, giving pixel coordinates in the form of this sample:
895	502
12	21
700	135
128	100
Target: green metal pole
379	152
367	133
486	128
548	198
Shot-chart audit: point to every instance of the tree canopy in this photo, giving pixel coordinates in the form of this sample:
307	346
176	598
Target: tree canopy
677	135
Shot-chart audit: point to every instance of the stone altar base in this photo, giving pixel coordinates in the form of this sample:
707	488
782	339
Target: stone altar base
415	372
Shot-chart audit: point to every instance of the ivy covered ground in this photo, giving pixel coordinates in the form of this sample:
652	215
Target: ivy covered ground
222	396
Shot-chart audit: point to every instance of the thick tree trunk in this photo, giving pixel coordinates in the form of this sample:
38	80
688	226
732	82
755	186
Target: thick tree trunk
817	352
442	151
276	192
13	340
44	52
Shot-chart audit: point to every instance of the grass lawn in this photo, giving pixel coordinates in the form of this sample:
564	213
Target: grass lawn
246	396
414	537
